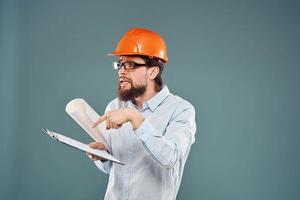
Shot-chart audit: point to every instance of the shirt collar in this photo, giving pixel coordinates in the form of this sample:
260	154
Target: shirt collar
154	102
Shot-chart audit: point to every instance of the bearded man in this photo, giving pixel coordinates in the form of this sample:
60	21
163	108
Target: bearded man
150	129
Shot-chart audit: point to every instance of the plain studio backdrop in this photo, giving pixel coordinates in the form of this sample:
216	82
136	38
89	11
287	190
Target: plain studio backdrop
237	62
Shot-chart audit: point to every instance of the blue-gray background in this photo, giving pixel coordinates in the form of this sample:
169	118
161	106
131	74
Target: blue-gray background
237	62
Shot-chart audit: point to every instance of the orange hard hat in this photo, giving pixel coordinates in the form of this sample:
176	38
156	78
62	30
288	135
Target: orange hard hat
141	41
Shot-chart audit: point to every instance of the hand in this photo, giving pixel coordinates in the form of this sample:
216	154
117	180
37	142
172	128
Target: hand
115	118
97	145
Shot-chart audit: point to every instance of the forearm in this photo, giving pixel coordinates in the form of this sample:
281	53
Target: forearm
174	143
165	150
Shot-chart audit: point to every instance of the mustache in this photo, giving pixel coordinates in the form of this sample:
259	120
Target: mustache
122	78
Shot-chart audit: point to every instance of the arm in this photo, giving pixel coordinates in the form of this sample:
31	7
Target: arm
175	143
166	148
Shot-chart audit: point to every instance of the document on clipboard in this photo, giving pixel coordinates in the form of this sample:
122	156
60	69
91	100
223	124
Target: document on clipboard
81	146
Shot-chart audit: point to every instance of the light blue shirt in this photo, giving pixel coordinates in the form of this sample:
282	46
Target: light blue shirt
154	154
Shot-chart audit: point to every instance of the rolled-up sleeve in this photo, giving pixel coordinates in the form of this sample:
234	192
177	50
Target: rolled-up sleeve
175	142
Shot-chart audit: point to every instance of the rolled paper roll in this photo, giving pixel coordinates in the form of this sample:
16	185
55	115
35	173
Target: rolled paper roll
82	113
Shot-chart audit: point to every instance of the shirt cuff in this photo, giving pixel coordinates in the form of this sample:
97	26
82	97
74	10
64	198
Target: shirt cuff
103	166
146	131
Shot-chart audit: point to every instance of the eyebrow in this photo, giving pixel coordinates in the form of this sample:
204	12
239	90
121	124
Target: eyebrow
119	60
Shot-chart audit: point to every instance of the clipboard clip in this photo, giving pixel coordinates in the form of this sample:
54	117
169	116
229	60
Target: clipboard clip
51	134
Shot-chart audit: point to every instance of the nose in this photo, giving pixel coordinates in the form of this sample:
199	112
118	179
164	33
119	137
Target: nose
122	71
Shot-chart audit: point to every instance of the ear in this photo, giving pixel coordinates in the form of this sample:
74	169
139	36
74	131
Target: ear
152	72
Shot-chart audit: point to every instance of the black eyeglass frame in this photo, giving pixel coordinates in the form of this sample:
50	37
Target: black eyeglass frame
128	65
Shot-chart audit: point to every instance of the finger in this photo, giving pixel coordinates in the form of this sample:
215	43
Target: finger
97	145
101	119
89	155
111	124
99	158
107	123
93	144
95	158
116	125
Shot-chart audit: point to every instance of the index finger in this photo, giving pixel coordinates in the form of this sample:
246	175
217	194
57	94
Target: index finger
101	119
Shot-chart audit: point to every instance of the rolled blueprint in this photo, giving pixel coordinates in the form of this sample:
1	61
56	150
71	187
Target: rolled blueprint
85	116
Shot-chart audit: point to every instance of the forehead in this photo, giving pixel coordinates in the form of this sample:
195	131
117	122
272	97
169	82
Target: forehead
131	58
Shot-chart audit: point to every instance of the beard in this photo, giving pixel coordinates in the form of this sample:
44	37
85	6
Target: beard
132	93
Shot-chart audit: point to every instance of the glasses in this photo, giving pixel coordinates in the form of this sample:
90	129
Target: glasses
128	65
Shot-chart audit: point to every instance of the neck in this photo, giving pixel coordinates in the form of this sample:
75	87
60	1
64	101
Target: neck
149	93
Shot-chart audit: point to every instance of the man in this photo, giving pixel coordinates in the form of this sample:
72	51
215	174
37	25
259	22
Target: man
150	129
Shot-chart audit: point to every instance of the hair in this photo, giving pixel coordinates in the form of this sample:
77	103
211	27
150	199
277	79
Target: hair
155	62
